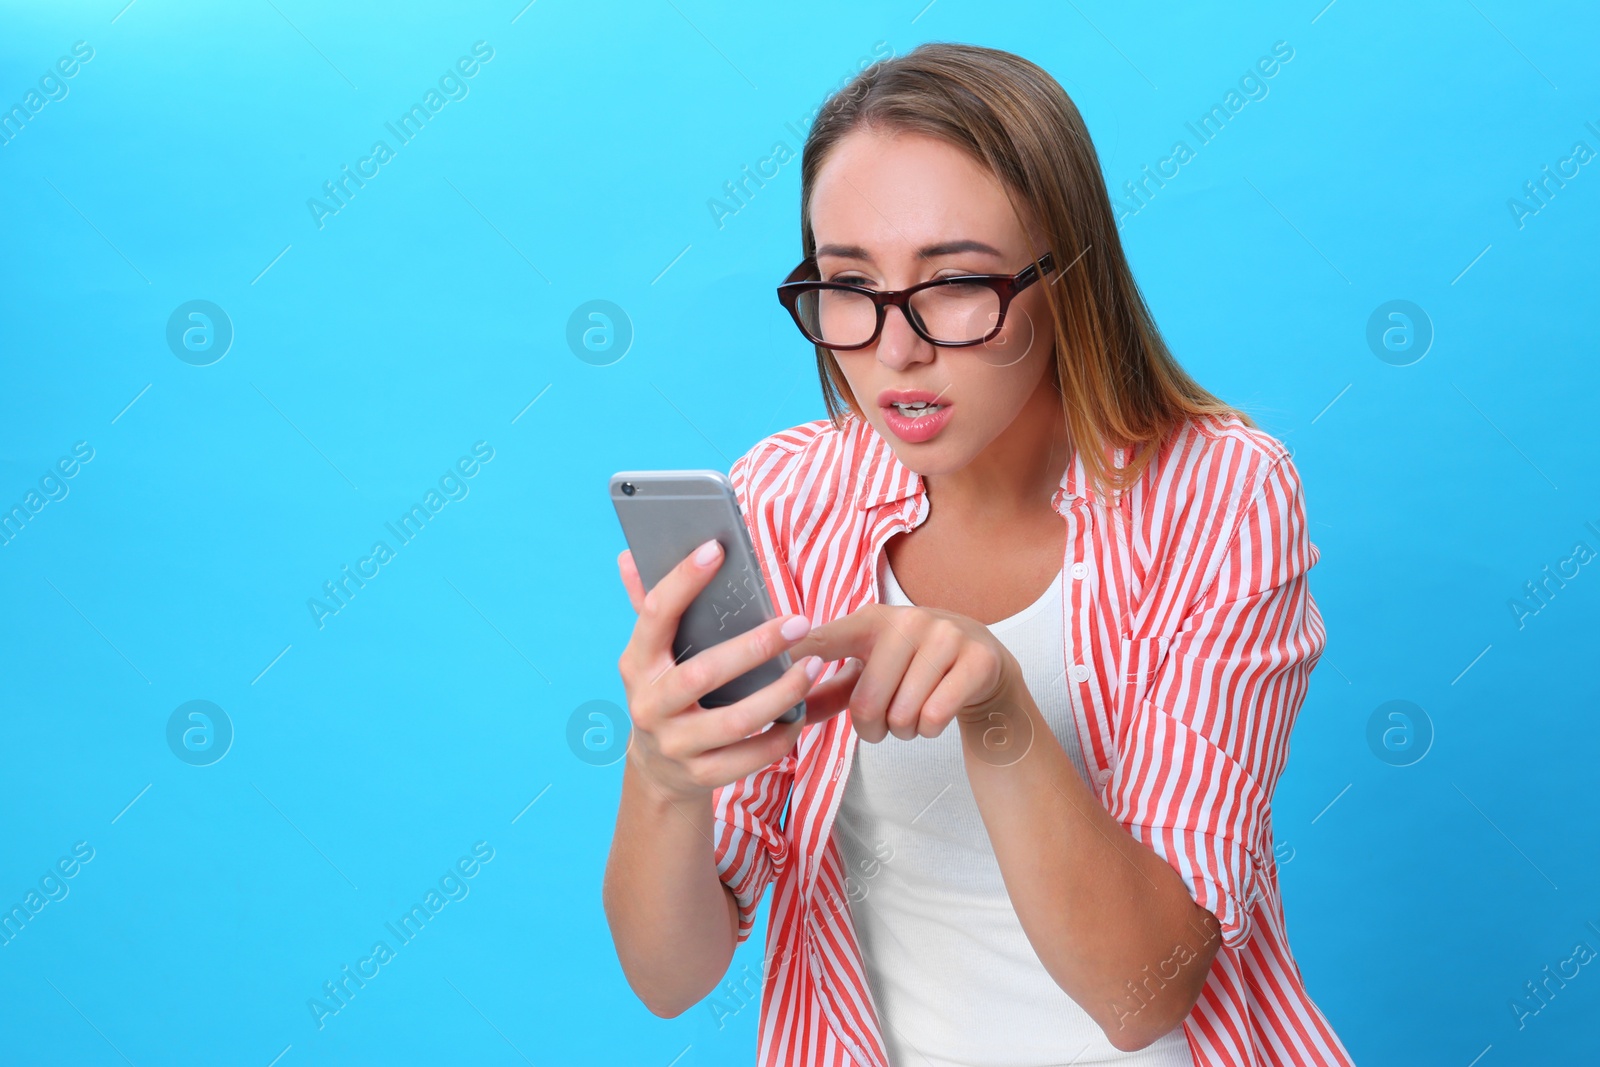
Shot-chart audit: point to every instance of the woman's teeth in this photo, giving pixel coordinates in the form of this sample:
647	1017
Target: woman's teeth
918	410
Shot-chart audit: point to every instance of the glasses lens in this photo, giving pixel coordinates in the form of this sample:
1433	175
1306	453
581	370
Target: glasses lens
837	316
958	312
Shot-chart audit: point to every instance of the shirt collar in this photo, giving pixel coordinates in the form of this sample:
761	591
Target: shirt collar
882	479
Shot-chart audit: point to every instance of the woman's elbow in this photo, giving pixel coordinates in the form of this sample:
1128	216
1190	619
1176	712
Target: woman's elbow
1135	1025
1132	1038
664	1009
664	1000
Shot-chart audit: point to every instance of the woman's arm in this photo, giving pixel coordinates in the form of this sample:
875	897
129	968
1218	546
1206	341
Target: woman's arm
1128	900
1101	909
673	920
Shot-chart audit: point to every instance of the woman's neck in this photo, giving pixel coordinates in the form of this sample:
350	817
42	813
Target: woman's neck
1018	473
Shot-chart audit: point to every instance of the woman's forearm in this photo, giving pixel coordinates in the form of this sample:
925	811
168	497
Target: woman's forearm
673	921
1100	908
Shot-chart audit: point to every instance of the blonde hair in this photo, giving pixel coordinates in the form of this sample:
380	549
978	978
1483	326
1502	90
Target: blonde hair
1120	384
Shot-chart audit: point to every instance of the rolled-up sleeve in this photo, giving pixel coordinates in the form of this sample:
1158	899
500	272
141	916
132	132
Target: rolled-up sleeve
1205	735
750	846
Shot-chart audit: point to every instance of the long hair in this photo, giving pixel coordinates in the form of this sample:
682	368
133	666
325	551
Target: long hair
1121	386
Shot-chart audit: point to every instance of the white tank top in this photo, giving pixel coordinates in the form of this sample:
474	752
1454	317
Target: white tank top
955	980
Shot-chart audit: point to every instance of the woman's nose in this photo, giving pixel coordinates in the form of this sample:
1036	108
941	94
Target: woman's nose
899	345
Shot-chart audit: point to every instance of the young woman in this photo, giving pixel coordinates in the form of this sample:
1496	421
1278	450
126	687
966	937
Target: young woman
1056	587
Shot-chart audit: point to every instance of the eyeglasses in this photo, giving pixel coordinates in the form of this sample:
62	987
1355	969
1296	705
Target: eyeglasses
953	312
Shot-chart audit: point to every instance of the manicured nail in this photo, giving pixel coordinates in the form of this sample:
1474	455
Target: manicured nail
707	552
813	667
795	628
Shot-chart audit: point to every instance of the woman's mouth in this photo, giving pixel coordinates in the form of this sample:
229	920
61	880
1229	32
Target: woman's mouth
917	421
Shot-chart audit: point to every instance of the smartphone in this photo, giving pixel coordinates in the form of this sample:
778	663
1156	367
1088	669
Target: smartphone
666	515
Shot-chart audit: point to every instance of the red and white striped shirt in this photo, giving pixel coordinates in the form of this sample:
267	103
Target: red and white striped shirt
1192	634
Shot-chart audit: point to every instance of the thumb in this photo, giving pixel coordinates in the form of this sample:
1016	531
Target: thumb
828	698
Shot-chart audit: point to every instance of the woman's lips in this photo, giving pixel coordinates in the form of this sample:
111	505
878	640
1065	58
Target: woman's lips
917	430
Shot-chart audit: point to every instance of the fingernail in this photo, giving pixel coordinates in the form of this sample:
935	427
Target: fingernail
813	667
795	628
707	552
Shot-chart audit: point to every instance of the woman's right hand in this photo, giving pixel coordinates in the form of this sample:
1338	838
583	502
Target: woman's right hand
687	750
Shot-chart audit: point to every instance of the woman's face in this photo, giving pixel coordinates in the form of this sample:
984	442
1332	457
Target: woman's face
889	210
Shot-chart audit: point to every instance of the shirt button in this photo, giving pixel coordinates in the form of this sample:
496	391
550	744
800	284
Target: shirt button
1080	569
1079	672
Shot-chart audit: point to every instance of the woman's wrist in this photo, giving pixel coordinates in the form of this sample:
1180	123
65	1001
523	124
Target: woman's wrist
652	789
1001	730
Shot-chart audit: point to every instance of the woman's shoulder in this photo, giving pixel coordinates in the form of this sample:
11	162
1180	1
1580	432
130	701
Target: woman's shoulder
823	452
1204	449
794	439
1230	430
1216	476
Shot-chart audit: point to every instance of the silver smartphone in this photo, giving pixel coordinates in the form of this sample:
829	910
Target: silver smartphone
665	516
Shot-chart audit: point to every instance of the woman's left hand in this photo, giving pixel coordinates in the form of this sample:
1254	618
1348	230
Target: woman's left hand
922	668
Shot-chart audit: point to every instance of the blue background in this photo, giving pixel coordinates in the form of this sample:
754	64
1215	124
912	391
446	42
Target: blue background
431	712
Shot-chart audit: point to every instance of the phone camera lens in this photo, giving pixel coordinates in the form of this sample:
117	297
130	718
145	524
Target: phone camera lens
627	488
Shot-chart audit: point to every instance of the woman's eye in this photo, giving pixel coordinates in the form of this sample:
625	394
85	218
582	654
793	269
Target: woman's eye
856	279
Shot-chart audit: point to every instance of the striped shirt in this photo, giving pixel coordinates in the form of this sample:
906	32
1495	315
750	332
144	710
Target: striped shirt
1191	634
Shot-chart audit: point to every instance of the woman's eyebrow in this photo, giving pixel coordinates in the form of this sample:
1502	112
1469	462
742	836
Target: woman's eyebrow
942	248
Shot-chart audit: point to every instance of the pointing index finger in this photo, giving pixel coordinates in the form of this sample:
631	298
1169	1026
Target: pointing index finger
852	635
